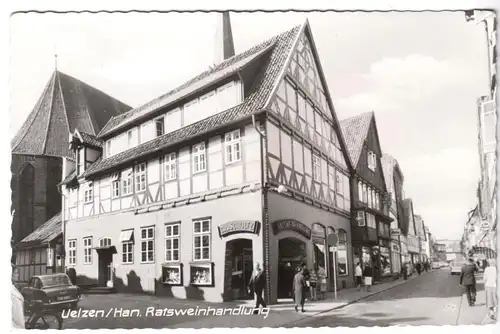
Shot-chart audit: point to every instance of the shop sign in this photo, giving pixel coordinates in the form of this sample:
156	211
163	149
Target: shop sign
395	232
239	226
293	225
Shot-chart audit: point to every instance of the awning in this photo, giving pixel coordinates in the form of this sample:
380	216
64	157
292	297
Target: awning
126	236
488	252
111	249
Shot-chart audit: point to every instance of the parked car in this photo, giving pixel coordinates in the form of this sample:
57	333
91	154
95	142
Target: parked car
55	290
436	265
456	267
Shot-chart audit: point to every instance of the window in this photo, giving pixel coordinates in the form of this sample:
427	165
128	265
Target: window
316	168
160	126
116	189
370	220
199	158
108	148
130	138
140	177
365	193
88	196
372	160
170	167
104	242
360	191
342	263
147	244
377	204
232	143
87	250
127	252
72	252
80	157
201	237
127	240
370	198
127	182
339	187
172	240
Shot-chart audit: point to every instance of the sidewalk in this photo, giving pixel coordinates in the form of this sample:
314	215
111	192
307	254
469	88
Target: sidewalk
283	313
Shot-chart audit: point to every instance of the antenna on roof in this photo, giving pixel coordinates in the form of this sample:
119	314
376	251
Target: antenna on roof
55	61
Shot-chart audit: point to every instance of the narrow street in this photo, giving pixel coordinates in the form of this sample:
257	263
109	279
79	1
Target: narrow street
432	299
435	298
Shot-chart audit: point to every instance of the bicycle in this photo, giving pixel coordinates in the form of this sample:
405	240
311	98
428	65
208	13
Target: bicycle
42	317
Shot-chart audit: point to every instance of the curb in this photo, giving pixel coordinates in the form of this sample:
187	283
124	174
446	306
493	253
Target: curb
347	303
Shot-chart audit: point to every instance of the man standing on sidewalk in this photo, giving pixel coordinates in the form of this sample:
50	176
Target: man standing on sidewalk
468	280
257	283
368	275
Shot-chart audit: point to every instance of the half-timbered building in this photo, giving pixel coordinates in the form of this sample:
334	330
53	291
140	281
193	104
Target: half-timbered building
394	182
245	162
371	220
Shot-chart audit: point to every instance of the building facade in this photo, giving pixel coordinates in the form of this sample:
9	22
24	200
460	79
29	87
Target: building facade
244	163
371	223
487	119
394	182
37	154
411	233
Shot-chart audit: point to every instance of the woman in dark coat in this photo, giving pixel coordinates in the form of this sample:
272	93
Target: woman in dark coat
299	286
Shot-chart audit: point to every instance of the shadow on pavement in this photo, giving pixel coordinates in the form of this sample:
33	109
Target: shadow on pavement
348	321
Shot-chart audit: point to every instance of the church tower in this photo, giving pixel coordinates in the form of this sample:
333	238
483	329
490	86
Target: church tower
224	45
37	149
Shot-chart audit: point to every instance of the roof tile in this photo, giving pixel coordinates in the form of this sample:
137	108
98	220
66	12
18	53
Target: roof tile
66	104
47	232
355	131
264	83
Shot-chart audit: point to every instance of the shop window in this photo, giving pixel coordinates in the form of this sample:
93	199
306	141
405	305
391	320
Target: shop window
342	263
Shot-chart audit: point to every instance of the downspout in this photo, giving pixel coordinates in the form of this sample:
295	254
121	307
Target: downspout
63	223
265	209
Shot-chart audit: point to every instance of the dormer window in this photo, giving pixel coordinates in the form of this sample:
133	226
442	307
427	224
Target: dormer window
80	160
372	161
108	148
160	126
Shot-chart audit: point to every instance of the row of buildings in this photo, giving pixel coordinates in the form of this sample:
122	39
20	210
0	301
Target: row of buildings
245	162
479	238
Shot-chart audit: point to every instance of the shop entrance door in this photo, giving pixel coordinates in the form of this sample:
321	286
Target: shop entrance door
292	253
241	267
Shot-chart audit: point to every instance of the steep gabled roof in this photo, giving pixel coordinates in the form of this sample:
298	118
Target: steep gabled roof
355	131
65	104
205	79
274	55
44	234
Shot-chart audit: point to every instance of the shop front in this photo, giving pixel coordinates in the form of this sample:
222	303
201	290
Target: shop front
385	258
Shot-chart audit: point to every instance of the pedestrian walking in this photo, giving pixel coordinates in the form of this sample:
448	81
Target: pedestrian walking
358	276
419	268
298	288
490	285
313	279
468	280
322	282
257	283
368	277
307	276
404	271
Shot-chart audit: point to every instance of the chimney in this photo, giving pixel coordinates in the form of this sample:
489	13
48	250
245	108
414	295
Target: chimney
224	45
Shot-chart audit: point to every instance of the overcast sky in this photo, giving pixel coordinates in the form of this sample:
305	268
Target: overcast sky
420	72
